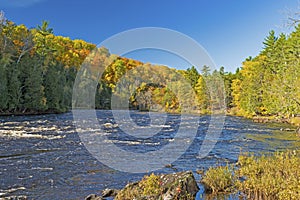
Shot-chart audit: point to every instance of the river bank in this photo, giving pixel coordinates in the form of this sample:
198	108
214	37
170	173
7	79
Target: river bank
270	176
293	120
28	113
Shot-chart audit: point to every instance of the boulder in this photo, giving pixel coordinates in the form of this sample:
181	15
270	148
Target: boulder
181	185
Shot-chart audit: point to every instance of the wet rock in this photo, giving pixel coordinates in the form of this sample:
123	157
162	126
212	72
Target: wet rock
109	192
93	197
200	171
181	185
171	167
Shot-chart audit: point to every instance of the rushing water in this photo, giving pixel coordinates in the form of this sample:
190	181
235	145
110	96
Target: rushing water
42	157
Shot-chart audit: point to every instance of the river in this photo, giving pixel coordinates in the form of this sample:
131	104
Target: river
43	157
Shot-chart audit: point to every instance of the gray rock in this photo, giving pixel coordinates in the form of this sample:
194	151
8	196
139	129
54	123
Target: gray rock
93	197
167	196
109	192
180	184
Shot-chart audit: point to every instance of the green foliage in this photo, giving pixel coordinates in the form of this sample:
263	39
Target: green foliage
219	179
228	81
192	75
37	69
202	94
3	85
269	83
57	90
32	88
14	89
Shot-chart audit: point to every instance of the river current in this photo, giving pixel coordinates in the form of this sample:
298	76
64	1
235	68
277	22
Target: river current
43	156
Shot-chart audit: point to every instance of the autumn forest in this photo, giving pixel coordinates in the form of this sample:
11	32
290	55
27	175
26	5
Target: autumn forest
38	70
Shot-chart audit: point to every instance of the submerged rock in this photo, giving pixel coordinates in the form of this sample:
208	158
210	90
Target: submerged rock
181	185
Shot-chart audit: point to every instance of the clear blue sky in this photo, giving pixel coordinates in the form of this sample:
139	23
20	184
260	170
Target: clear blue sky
230	30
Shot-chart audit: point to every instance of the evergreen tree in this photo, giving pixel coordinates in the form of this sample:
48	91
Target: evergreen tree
4	62
202	95
192	75
14	89
34	99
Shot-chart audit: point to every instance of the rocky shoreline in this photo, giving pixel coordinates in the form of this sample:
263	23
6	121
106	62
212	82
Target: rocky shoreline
180	185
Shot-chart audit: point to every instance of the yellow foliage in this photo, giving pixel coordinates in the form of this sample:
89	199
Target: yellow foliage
295	121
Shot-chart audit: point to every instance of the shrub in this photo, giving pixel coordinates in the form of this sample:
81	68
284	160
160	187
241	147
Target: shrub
219	179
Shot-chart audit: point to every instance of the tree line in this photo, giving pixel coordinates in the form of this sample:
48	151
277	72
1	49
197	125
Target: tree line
38	70
269	84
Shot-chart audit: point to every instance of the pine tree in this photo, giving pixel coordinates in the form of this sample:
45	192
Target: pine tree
192	75
202	95
34	99
14	89
4	62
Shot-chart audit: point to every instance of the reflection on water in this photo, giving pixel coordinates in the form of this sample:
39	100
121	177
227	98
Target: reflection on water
42	157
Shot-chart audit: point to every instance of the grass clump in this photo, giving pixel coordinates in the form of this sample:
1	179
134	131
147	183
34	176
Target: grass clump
275	176
149	187
219	179
129	193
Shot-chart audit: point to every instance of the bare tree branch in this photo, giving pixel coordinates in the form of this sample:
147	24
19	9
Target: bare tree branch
2	17
293	16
